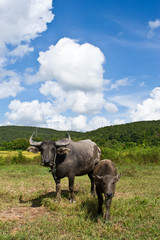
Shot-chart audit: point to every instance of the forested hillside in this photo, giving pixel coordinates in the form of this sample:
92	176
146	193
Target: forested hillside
146	133
131	134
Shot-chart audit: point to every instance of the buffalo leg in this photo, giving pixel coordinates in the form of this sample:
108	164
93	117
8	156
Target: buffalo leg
92	183
108	205
100	201
58	185
58	189
71	188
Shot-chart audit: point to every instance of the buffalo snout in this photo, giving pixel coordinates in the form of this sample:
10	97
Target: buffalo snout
109	195
47	164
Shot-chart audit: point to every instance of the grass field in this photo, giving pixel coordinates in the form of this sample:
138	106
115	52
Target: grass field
28	210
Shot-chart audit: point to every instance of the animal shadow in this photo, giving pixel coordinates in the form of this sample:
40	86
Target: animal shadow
90	208
38	201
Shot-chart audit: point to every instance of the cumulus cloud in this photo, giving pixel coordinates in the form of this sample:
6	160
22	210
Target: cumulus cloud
23	20
44	114
10	88
73	80
78	101
61	122
73	65
20	22
29	113
149	109
10	83
73	75
97	122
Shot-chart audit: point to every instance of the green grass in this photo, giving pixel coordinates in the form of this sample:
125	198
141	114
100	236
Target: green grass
28	210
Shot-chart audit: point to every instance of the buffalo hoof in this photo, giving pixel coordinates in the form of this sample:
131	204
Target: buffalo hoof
72	201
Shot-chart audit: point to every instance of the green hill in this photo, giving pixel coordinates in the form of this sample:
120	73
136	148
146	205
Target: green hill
9	133
125	135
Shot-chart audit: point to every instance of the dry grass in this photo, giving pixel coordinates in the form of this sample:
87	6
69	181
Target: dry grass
15	153
28	209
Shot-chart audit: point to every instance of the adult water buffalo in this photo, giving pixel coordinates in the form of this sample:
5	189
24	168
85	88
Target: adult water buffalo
68	158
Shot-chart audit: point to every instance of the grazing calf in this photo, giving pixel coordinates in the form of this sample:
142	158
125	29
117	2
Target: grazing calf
105	175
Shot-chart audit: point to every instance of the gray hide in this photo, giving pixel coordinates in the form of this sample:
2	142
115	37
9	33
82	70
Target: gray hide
67	158
105	175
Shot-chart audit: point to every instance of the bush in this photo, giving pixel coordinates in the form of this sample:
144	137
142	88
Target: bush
17	144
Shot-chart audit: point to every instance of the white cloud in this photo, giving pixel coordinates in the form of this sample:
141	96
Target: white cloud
53	89
97	122
29	113
44	114
60	122
78	101
110	107
22	21
10	88
120	83
154	24
21	50
73	65
149	109
73	75
86	102
118	122
79	123
10	83
129	101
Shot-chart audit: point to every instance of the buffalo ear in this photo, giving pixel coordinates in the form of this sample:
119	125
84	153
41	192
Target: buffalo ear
118	177
33	149
63	150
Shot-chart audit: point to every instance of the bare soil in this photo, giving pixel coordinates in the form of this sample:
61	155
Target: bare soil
22	213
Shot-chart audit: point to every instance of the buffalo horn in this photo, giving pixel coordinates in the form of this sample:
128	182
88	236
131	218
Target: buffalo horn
63	142
69	137
33	143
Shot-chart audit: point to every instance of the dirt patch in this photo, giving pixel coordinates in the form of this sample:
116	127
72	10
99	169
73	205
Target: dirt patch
123	195
22	213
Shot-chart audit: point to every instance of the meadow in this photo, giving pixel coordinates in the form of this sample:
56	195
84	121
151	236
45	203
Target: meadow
28	209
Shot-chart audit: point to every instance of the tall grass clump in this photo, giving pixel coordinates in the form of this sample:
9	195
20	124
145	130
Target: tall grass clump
140	155
17	157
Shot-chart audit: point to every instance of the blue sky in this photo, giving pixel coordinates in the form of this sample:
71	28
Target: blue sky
77	64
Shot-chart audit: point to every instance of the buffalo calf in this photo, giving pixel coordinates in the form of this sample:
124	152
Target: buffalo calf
105	175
